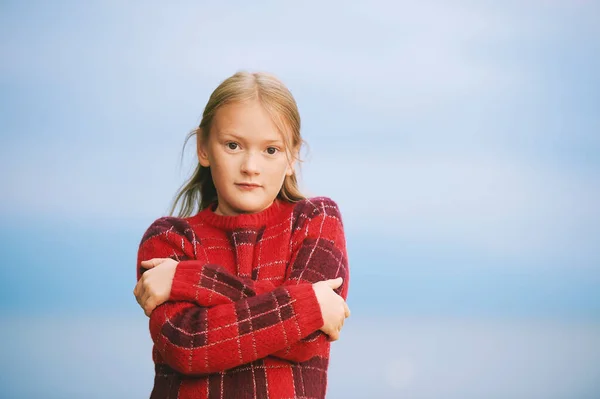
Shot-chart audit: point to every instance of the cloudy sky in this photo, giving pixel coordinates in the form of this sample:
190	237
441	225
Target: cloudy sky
461	140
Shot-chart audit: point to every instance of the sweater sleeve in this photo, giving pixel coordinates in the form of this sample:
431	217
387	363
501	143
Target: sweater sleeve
319	253
196	340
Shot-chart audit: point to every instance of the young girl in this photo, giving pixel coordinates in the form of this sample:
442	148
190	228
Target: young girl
246	289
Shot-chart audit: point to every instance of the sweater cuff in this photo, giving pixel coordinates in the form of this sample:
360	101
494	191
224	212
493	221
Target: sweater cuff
186	281
306	308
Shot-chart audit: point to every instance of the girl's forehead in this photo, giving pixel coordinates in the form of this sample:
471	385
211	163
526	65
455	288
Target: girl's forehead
245	121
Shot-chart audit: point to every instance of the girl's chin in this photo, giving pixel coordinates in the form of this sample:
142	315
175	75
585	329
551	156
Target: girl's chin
242	206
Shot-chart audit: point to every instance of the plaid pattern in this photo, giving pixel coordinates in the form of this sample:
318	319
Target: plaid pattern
243	320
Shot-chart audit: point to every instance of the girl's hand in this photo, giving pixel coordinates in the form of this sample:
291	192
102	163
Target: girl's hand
333	307
154	287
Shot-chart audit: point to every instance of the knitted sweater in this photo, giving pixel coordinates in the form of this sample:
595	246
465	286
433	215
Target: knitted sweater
243	320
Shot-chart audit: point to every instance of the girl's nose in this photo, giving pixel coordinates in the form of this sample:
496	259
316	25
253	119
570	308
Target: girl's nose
250	164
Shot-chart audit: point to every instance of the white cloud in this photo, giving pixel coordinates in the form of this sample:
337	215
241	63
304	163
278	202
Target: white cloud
493	204
400	373
390	62
449	358
469	358
378	55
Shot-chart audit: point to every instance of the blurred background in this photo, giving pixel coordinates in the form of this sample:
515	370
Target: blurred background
461	140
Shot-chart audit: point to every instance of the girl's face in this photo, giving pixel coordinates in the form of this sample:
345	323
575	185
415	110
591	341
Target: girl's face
247	157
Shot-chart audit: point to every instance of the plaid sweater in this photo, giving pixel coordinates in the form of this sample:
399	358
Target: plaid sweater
243	320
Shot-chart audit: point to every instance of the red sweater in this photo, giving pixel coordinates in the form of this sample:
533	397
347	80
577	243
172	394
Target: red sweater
243	319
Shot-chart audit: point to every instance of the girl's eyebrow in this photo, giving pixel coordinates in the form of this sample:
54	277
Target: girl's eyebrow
230	134
273	141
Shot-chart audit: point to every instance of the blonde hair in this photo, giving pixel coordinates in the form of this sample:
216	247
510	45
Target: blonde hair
199	191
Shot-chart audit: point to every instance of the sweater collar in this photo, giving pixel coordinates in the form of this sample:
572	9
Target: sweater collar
258	219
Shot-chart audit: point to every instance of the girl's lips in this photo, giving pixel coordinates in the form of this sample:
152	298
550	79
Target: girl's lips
246	186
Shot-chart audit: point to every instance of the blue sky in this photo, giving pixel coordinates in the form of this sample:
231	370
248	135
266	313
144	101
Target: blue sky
460	139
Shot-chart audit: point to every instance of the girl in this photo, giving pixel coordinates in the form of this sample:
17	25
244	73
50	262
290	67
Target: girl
246	289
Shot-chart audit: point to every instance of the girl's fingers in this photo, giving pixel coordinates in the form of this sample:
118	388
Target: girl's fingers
138	291
150	263
335	283
334	336
149	307
347	309
145	299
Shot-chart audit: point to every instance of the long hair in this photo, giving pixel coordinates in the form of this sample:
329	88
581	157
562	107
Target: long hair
199	191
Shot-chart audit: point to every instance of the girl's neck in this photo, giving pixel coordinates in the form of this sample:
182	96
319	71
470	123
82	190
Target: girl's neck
212	215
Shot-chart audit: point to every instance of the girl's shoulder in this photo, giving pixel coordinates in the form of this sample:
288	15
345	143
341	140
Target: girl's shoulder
169	225
315	207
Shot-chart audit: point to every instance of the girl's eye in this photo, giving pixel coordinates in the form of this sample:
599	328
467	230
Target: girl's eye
232	146
272	150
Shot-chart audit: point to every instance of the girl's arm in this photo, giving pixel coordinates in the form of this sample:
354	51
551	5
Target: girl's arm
248	319
196	340
319	254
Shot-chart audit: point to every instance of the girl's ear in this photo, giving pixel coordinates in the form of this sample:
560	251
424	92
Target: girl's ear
290	170
201	150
